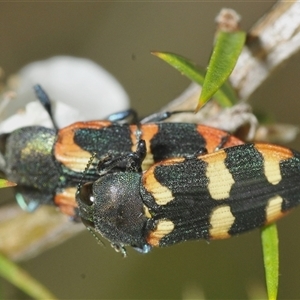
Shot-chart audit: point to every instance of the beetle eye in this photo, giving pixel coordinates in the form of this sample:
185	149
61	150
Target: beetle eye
85	194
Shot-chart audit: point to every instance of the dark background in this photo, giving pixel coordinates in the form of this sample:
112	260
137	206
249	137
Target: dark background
120	36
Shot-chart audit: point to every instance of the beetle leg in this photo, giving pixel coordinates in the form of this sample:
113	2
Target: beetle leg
223	141
128	116
45	101
200	151
146	249
161	116
120	248
130	162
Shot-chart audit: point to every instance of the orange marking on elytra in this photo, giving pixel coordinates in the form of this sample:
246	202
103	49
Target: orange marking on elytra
67	152
221	220
220	179
214	136
163	228
66	201
161	194
273	155
148	131
274	210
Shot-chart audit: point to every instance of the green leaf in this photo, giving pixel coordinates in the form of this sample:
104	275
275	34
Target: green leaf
183	65
225	96
17	276
271	259
227	49
5	183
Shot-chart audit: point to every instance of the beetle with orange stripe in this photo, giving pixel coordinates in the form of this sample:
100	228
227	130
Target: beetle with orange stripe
47	164
202	196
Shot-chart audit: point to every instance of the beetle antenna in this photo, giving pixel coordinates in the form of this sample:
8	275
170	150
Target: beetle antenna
94	234
85	171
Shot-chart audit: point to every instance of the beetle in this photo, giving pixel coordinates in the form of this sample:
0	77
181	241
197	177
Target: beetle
201	196
47	164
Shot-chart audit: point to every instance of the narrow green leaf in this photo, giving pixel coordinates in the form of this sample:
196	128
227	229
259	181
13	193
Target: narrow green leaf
5	183
225	96
17	276
226	51
271	259
183	65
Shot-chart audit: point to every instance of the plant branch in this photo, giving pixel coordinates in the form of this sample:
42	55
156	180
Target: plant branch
272	40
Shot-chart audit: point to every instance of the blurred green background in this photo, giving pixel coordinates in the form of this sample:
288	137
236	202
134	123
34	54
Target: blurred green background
119	36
